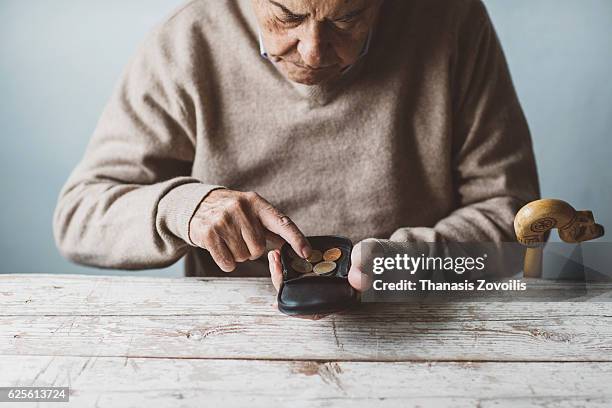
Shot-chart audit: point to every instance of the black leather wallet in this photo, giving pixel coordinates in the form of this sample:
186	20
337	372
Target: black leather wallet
312	294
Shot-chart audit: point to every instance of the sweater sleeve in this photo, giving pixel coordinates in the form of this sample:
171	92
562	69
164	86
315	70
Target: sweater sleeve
493	162
128	204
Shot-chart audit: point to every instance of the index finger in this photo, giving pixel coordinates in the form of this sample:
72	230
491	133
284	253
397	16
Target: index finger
278	223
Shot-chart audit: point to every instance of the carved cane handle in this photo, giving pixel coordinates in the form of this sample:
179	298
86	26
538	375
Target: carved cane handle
535	220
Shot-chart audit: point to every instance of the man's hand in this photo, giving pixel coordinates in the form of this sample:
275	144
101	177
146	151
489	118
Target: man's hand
356	277
233	226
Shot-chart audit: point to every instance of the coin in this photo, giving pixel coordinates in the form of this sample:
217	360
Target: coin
315	256
332	255
301	266
323	268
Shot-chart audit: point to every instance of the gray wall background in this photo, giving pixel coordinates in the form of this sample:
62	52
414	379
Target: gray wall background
61	59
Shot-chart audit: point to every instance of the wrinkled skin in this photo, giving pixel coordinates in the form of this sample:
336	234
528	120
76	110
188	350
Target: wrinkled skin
312	41
235	227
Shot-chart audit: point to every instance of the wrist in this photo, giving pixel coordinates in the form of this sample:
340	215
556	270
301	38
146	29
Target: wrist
179	205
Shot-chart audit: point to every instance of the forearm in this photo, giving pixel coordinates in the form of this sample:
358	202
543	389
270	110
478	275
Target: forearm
127	226
482	228
490	220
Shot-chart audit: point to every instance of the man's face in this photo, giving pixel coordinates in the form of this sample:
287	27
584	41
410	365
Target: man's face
312	41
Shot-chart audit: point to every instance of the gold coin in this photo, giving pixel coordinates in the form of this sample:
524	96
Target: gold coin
315	256
301	266
332	255
323	268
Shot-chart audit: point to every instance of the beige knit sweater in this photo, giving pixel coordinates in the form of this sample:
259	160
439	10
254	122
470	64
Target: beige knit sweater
424	139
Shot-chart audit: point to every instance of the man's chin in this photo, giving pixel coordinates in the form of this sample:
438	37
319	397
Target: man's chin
306	81
311	78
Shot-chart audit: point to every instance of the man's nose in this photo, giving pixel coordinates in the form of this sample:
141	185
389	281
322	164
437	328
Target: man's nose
313	45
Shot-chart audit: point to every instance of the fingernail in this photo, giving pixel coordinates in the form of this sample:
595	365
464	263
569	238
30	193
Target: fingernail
306	252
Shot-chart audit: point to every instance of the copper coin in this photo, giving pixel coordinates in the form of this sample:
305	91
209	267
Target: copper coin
323	268
315	256
301	266
332	255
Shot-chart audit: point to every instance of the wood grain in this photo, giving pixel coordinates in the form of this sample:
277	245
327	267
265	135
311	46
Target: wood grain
375	338
133	342
236	319
53	295
120	382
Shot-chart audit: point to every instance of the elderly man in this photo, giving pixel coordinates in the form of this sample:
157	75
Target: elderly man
241	124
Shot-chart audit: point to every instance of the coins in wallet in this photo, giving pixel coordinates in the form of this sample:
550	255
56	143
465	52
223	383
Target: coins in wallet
301	266
315	256
321	262
332	255
324	268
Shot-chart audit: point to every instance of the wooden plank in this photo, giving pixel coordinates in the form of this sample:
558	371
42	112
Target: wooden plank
227	318
120	382
361	337
72	295
35	295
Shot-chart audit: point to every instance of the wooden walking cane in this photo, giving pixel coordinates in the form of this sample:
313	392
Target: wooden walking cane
535	220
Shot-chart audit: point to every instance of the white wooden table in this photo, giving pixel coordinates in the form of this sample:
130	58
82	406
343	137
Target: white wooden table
138	342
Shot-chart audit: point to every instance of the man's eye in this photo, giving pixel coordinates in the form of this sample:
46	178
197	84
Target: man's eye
291	18
346	19
345	24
